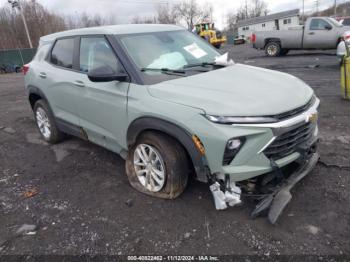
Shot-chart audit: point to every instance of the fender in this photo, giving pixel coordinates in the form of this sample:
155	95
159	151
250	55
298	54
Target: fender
185	138
33	90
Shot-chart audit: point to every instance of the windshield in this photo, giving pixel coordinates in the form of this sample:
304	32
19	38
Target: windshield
335	22
170	50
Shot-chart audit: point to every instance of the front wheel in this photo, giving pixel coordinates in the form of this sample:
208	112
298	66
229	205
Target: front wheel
157	165
217	46
273	49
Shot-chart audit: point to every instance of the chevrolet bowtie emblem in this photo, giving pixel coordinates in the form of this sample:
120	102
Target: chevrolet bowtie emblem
313	118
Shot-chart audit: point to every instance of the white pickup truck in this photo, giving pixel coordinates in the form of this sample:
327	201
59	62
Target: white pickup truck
318	33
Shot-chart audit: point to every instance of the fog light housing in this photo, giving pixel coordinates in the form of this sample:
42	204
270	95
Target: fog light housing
232	148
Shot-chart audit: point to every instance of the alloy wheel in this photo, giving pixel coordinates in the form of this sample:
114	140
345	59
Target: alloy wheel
149	167
43	122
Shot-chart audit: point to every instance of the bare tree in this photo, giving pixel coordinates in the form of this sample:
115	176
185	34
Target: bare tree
40	22
258	8
144	20
167	14
231	22
191	13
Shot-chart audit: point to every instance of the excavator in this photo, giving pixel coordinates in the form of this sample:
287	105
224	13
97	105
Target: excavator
207	31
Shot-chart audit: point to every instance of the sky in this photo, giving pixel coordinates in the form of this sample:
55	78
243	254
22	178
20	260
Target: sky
125	10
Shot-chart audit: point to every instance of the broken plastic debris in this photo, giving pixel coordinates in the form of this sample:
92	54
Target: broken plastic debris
231	197
219	196
26	229
30	193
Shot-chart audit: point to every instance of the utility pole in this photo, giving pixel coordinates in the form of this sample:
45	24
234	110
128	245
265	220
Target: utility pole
16	4
335	8
246	9
317	2
303	16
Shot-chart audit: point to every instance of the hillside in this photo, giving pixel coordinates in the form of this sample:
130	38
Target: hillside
342	10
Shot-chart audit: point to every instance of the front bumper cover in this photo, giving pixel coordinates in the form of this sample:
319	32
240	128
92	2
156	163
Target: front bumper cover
276	202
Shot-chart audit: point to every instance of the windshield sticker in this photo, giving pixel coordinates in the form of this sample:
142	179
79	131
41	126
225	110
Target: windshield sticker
195	50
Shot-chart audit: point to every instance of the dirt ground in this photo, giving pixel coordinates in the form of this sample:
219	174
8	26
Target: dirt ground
83	204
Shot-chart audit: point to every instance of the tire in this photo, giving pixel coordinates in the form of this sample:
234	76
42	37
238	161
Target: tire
284	52
217	46
173	161
273	49
46	123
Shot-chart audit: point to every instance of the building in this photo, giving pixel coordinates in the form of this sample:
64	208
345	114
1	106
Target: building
277	21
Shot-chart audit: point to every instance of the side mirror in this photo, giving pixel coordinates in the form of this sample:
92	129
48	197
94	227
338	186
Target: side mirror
106	74
328	27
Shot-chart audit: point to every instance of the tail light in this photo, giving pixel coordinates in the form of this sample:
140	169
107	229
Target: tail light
253	38
25	69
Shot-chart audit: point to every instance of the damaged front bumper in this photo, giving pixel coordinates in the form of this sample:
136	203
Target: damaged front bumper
276	201
273	203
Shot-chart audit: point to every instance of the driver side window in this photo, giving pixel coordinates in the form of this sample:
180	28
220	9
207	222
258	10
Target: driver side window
319	24
95	52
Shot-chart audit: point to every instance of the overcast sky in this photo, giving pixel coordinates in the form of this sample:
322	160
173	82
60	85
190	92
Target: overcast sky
125	10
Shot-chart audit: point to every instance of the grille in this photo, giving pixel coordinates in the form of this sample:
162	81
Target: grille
296	111
288	142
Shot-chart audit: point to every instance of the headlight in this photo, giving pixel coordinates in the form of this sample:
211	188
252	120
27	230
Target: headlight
240	120
232	148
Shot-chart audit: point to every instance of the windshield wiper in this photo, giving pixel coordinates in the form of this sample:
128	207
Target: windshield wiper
165	71
203	64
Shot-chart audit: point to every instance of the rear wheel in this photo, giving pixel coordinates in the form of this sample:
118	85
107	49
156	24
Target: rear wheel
157	165
273	49
46	123
217	46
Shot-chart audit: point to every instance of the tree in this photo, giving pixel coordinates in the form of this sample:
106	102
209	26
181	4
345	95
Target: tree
167	14
143	20
40	22
191	13
258	8
231	19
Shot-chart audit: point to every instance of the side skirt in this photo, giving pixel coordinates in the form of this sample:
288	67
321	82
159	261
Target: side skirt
71	129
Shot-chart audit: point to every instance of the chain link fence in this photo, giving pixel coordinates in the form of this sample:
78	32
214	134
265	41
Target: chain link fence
18	57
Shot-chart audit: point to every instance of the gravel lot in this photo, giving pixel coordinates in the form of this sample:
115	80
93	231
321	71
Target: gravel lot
83	204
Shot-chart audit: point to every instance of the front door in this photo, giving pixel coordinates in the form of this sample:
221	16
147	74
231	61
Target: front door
319	35
101	106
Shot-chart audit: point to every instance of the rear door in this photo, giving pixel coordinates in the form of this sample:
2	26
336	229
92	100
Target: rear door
101	106
57	76
320	34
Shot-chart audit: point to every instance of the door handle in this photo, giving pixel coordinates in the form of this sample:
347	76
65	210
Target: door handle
79	83
42	75
311	33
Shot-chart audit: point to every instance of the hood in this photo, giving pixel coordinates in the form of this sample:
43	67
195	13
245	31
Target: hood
237	90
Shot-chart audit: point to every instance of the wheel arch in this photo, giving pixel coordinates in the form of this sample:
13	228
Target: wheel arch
35	94
140	125
272	39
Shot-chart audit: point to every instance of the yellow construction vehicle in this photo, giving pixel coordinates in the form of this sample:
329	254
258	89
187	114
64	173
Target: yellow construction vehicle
345	74
207	31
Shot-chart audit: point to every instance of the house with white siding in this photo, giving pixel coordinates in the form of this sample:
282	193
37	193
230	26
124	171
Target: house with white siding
277	21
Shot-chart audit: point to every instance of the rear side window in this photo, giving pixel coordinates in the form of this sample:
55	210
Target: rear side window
95	52
62	53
